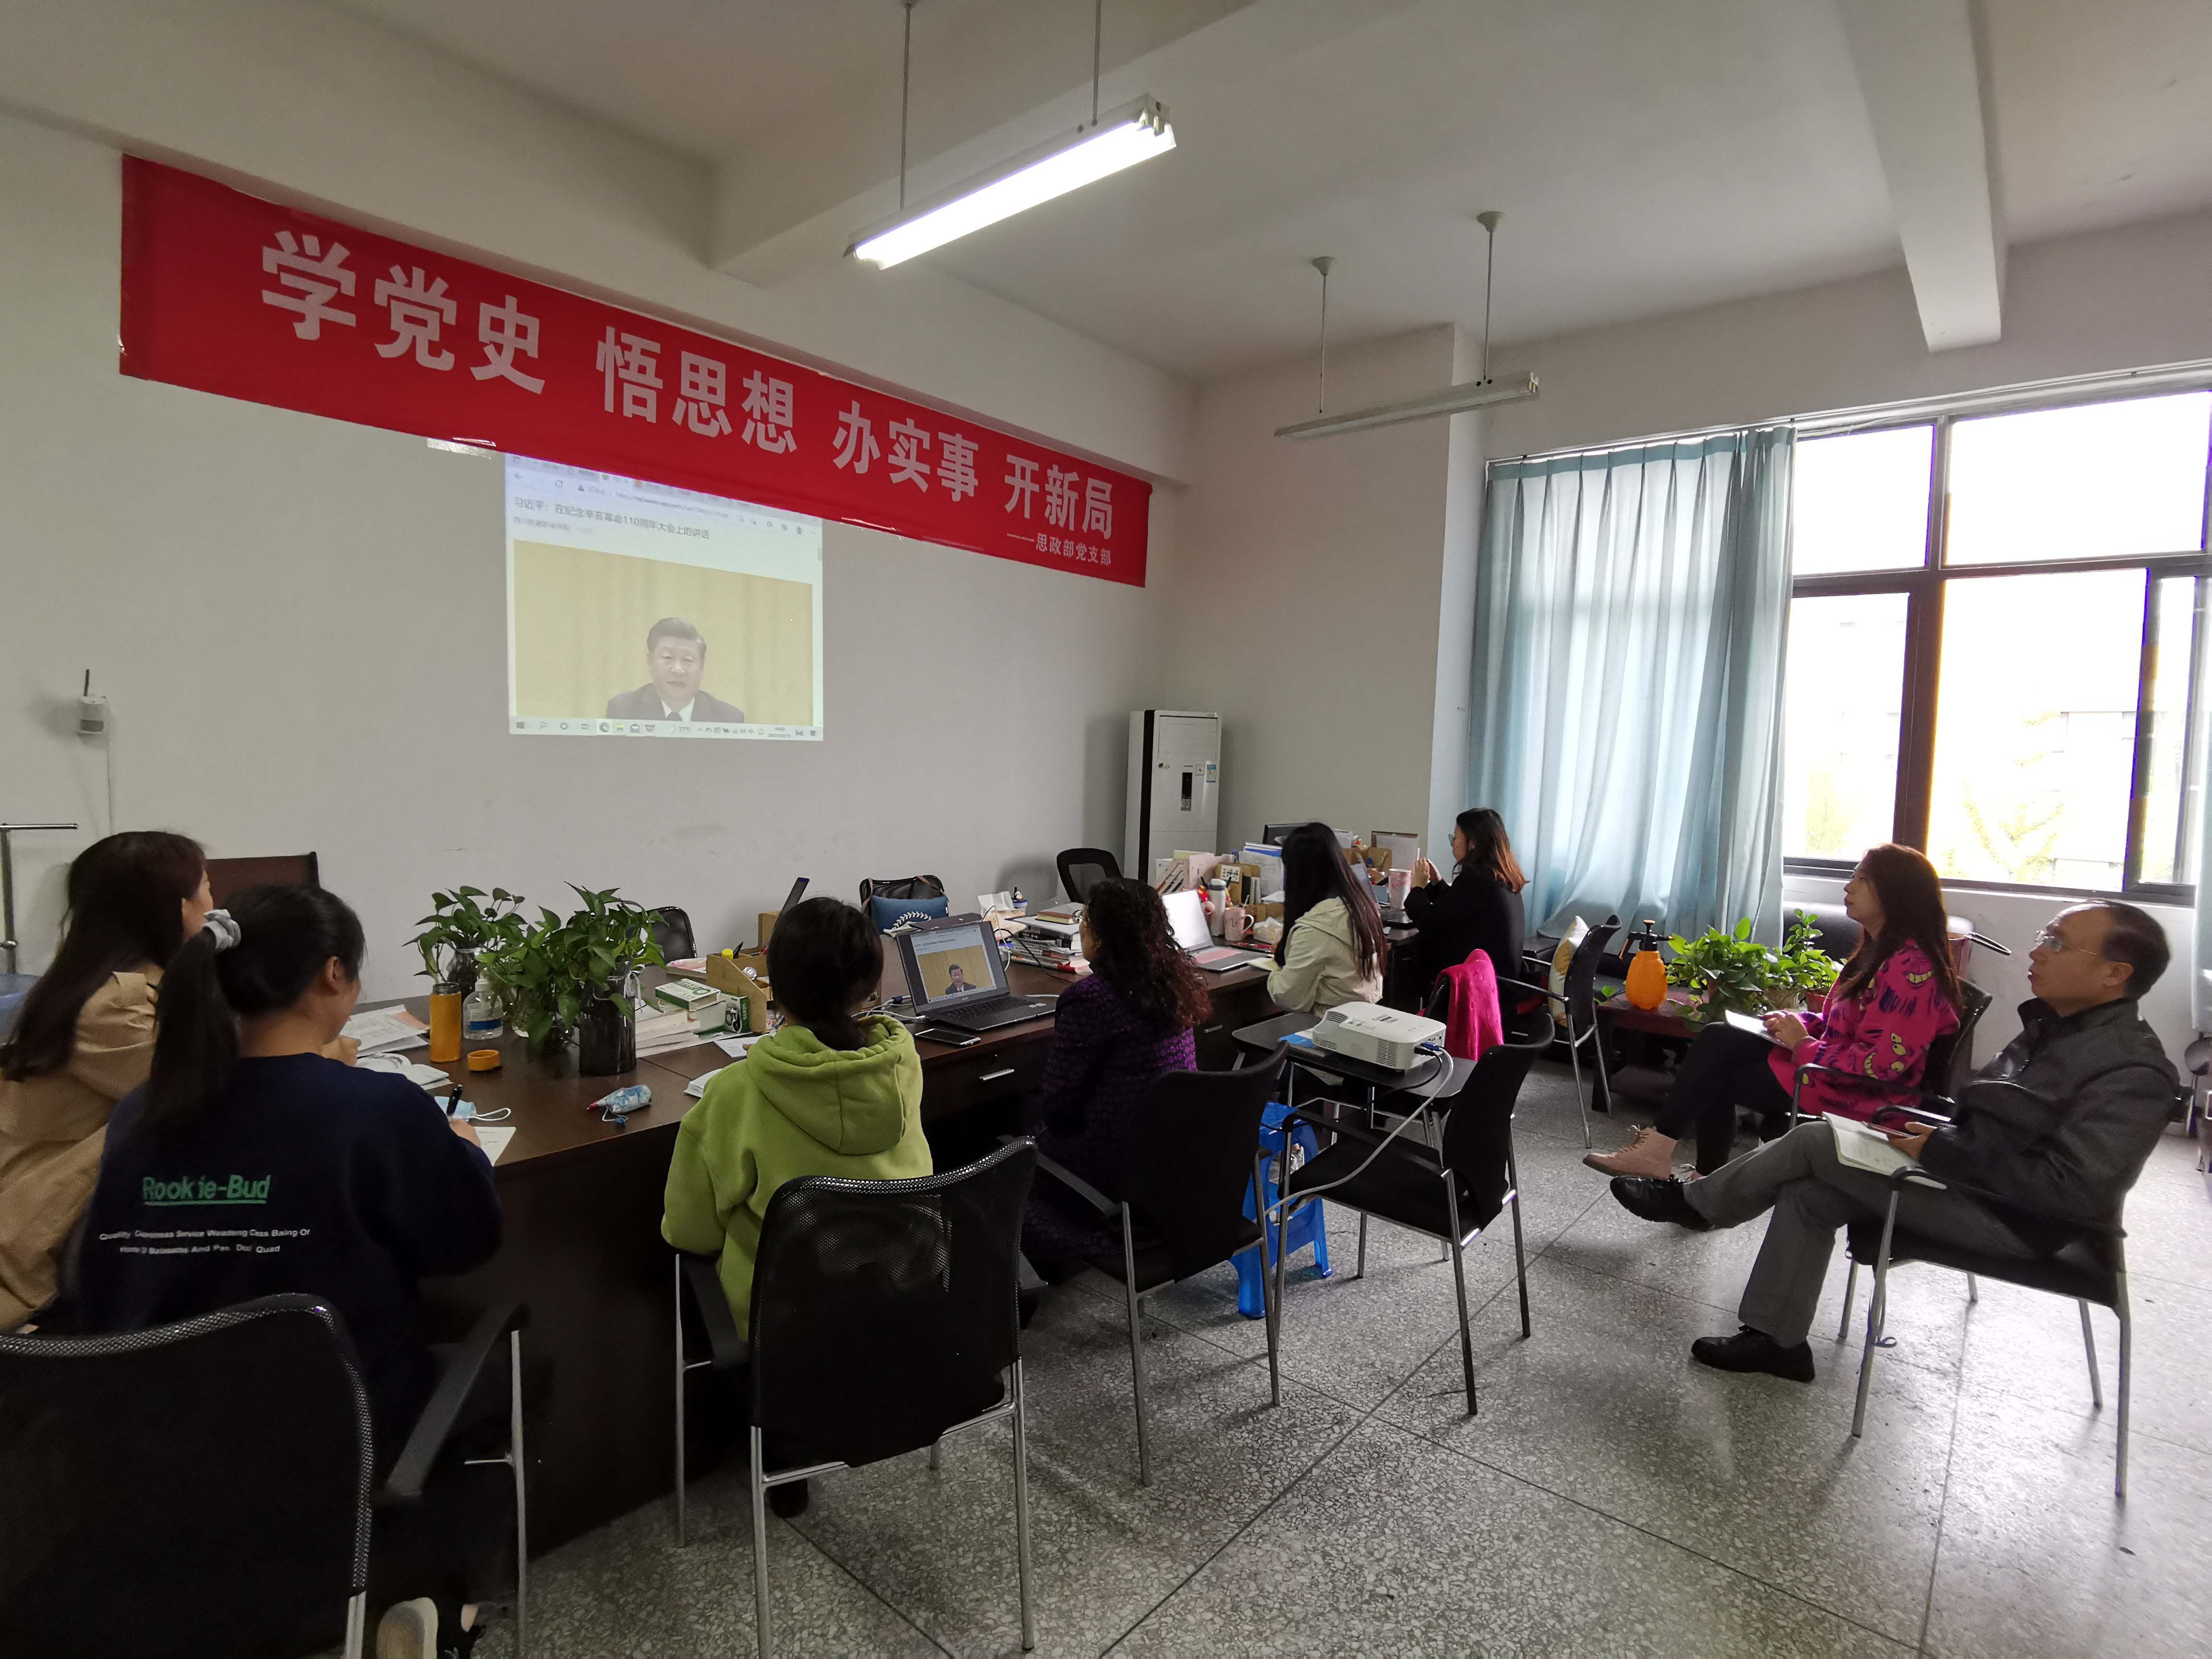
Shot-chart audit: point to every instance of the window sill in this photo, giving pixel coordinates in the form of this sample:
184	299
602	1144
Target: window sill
2172	899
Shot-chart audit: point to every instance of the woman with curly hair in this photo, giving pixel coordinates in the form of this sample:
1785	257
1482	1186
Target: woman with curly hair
1116	1030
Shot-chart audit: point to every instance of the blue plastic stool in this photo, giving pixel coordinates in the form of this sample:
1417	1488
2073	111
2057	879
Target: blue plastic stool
1308	1226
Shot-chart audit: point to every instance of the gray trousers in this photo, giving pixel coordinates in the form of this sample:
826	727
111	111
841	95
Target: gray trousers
1813	1194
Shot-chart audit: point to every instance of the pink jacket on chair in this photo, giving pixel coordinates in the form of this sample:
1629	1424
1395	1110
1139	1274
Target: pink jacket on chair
1472	1022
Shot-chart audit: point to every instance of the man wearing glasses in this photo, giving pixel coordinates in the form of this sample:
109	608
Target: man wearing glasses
2103	1091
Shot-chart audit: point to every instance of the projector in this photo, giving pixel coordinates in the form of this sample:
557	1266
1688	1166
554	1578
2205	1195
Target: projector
1381	1036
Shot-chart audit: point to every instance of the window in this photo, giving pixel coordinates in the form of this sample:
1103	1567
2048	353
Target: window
1997	627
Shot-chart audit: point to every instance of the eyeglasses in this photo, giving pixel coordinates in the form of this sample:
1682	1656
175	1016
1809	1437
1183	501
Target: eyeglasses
2050	941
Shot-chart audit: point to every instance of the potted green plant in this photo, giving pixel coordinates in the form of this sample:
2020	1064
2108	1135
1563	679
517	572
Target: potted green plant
455	933
1802	971
1733	971
571	977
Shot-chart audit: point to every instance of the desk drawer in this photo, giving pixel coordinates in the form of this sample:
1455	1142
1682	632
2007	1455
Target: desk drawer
998	1078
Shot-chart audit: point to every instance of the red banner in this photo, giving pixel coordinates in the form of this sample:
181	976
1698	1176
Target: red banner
223	292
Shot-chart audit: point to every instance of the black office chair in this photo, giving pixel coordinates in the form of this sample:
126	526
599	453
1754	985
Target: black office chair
1451	1191
884	1319
229	877
1192	1157
2090	1266
1947	1057
1082	868
671	932
204	1488
1580	1012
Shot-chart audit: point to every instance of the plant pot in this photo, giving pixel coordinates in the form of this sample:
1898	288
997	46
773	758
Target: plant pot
607	1039
552	1058
463	973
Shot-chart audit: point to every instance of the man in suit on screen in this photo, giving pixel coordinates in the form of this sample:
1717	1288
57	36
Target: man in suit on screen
676	658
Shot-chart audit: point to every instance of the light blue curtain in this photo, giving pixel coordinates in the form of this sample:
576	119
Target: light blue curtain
1631	607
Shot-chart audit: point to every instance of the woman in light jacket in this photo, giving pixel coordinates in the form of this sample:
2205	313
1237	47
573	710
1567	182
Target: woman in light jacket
1330	951
83	1039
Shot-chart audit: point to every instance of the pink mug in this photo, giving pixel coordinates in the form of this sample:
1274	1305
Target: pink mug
1236	924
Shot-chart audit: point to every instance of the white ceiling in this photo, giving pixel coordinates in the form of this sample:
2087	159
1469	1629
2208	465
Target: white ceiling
1648	156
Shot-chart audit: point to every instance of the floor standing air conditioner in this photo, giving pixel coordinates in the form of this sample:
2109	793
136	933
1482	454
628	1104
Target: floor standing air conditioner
1175	787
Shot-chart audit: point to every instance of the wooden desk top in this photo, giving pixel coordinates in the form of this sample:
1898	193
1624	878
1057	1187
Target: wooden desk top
549	1105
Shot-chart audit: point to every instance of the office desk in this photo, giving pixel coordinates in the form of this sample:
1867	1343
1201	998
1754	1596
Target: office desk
582	1234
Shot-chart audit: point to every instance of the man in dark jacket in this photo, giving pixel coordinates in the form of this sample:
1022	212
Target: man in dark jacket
2098	1092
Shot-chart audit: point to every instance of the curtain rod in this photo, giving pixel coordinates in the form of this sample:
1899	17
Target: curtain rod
1826	423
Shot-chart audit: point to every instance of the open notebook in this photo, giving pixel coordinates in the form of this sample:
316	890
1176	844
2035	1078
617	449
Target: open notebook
1862	1146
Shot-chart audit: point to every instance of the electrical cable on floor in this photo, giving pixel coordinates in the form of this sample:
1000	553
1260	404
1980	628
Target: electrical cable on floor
1419	1113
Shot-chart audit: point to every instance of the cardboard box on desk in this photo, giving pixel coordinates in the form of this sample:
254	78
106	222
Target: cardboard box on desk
726	973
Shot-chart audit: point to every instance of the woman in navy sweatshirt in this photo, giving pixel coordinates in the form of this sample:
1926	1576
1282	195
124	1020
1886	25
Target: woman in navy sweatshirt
288	1171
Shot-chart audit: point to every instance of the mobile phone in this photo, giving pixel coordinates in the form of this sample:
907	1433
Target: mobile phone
951	1038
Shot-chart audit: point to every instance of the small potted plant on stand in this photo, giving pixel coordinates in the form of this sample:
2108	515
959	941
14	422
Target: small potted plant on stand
1735	972
460	928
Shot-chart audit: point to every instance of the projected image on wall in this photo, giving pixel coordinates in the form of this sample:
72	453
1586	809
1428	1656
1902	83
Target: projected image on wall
637	610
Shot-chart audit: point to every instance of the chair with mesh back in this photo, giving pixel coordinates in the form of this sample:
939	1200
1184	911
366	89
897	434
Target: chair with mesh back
884	1319
1580	1015
1451	1190
886	898
229	877
205	1487
200	1488
671	932
2085	1261
1191	1158
1082	868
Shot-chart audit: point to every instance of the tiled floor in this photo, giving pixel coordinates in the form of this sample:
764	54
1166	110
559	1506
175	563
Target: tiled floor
1611	1497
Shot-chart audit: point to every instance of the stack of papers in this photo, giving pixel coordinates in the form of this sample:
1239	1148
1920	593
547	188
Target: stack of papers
698	1085
386	1030
427	1078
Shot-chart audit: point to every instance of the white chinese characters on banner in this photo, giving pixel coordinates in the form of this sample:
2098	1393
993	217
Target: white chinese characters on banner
1097	507
504	330
315	278
417	312
906	463
1023	480
1067	547
768	420
1059	496
701	388
856	439
635	365
957	471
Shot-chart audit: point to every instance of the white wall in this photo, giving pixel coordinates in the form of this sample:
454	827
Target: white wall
2108	301
1306	603
300	622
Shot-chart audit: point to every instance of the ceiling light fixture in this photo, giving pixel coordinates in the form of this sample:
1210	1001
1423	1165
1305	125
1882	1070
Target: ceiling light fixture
1478	394
1105	144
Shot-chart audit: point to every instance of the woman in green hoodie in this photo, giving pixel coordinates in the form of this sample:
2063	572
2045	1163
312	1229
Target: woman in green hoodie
827	1093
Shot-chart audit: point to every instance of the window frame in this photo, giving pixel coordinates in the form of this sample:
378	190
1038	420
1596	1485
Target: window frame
1925	585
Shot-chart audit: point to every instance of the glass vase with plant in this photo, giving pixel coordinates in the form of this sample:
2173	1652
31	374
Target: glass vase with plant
561	976
456	932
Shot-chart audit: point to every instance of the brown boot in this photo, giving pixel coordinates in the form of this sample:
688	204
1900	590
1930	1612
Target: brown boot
1651	1155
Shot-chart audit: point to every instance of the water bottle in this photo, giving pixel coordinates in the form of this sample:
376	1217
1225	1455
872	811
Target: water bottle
481	1021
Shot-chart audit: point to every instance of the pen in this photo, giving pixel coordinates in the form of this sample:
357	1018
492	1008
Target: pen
453	1100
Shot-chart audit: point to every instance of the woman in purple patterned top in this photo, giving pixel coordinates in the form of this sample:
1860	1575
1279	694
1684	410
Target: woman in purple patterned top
1114	1032
1895	997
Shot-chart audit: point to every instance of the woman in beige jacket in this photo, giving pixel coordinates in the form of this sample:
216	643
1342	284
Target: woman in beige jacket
1331	950
83	1040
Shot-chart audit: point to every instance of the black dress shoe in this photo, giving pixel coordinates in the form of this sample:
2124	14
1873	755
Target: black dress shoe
1754	1351
1658	1200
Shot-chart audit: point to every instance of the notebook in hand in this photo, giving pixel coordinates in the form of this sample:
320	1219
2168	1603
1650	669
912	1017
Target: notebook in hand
1862	1146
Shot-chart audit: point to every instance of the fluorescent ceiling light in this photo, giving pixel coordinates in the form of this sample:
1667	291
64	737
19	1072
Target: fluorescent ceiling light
1452	400
1119	139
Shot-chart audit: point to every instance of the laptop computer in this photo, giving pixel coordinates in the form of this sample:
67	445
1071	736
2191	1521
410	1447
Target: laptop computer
956	977
1186	921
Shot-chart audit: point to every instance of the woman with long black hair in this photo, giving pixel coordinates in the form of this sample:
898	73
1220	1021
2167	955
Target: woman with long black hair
1479	909
1330	951
1896	996
83	1039
1114	1032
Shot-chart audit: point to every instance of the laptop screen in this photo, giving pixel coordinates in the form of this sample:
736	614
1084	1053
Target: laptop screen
954	965
1186	919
